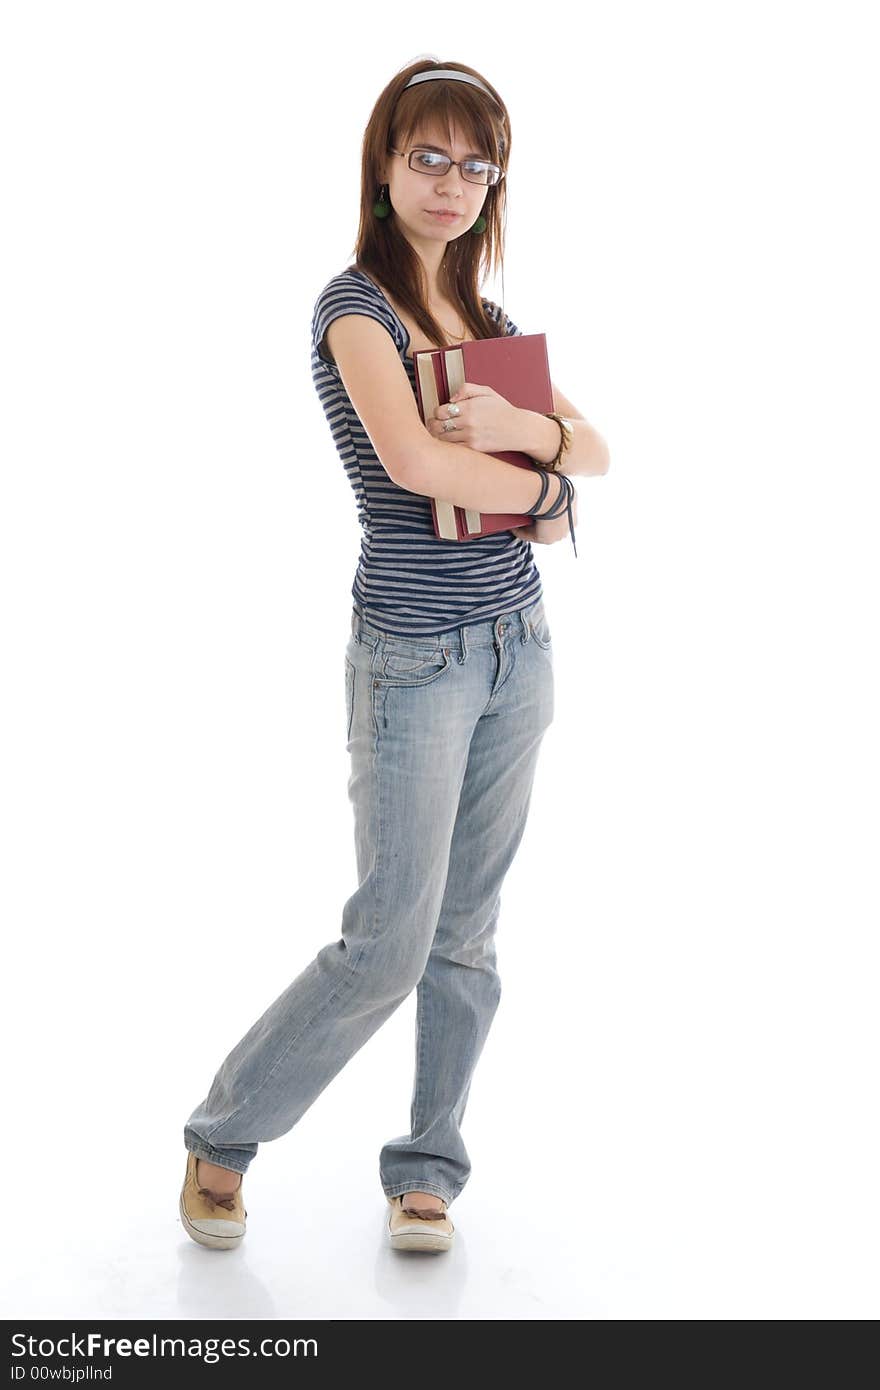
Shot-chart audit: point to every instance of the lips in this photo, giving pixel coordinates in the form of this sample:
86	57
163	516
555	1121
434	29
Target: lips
443	212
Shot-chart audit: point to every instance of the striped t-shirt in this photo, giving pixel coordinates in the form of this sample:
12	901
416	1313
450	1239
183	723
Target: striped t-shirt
408	580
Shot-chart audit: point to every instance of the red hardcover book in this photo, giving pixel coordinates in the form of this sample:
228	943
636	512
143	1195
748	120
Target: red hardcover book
517	368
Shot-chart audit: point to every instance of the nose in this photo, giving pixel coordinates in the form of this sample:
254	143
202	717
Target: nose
451	178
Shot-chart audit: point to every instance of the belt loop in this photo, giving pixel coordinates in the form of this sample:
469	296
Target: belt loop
462	644
524	624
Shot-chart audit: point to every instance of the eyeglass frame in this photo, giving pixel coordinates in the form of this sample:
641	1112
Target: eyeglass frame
407	155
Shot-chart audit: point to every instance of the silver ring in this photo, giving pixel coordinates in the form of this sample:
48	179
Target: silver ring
448	425
454	409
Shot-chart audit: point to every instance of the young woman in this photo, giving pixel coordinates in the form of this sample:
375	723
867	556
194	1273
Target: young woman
448	668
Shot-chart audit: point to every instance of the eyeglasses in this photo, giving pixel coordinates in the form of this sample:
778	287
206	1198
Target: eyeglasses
434	163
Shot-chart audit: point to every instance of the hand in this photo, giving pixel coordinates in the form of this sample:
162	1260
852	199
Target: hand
546	532
485	420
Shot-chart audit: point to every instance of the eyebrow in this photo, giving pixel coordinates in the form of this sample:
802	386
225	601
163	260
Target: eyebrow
423	145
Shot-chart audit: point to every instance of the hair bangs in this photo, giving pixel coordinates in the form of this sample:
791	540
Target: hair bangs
449	106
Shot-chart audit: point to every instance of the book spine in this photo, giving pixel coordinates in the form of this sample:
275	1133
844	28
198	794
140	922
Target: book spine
453	380
445	525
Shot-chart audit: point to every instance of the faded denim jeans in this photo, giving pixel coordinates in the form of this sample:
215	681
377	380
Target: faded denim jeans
444	734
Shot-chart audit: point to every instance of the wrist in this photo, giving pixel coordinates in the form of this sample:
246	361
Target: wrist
553	494
539	436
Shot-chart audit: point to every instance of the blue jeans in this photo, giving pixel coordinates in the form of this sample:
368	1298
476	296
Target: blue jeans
444	734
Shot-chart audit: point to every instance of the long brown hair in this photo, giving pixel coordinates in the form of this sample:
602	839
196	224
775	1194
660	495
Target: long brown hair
382	251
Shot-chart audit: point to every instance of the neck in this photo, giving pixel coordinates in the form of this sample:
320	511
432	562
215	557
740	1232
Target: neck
430	253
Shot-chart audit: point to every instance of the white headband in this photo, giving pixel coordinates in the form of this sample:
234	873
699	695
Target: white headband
450	73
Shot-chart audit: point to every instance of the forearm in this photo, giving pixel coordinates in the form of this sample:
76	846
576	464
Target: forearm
468	478
588	454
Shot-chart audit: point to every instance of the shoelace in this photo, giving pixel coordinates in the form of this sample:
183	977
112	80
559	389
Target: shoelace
562	503
219	1199
426	1213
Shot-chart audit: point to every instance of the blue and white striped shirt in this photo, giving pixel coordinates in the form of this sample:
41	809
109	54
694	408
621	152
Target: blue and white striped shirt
408	580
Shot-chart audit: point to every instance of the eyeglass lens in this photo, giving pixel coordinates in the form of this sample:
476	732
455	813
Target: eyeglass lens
474	170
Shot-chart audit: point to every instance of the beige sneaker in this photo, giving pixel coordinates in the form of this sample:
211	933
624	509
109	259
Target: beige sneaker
412	1229
208	1217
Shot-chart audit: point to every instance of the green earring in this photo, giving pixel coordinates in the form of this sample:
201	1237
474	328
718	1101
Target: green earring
480	224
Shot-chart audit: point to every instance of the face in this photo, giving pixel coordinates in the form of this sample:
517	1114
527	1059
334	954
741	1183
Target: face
415	195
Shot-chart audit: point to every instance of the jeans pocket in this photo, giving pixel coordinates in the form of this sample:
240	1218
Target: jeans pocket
540	628
403	663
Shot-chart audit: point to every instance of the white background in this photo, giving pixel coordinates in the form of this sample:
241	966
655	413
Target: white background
675	1114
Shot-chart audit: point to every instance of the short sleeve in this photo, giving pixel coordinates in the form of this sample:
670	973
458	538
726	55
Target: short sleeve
349	294
496	313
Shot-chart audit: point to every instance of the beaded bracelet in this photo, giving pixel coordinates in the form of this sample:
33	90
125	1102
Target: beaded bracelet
564	442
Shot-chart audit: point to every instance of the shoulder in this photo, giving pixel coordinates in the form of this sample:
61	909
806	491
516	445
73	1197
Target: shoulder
505	323
349	286
350	292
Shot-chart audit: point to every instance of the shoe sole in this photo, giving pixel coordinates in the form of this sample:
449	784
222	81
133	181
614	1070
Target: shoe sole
420	1240
202	1237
